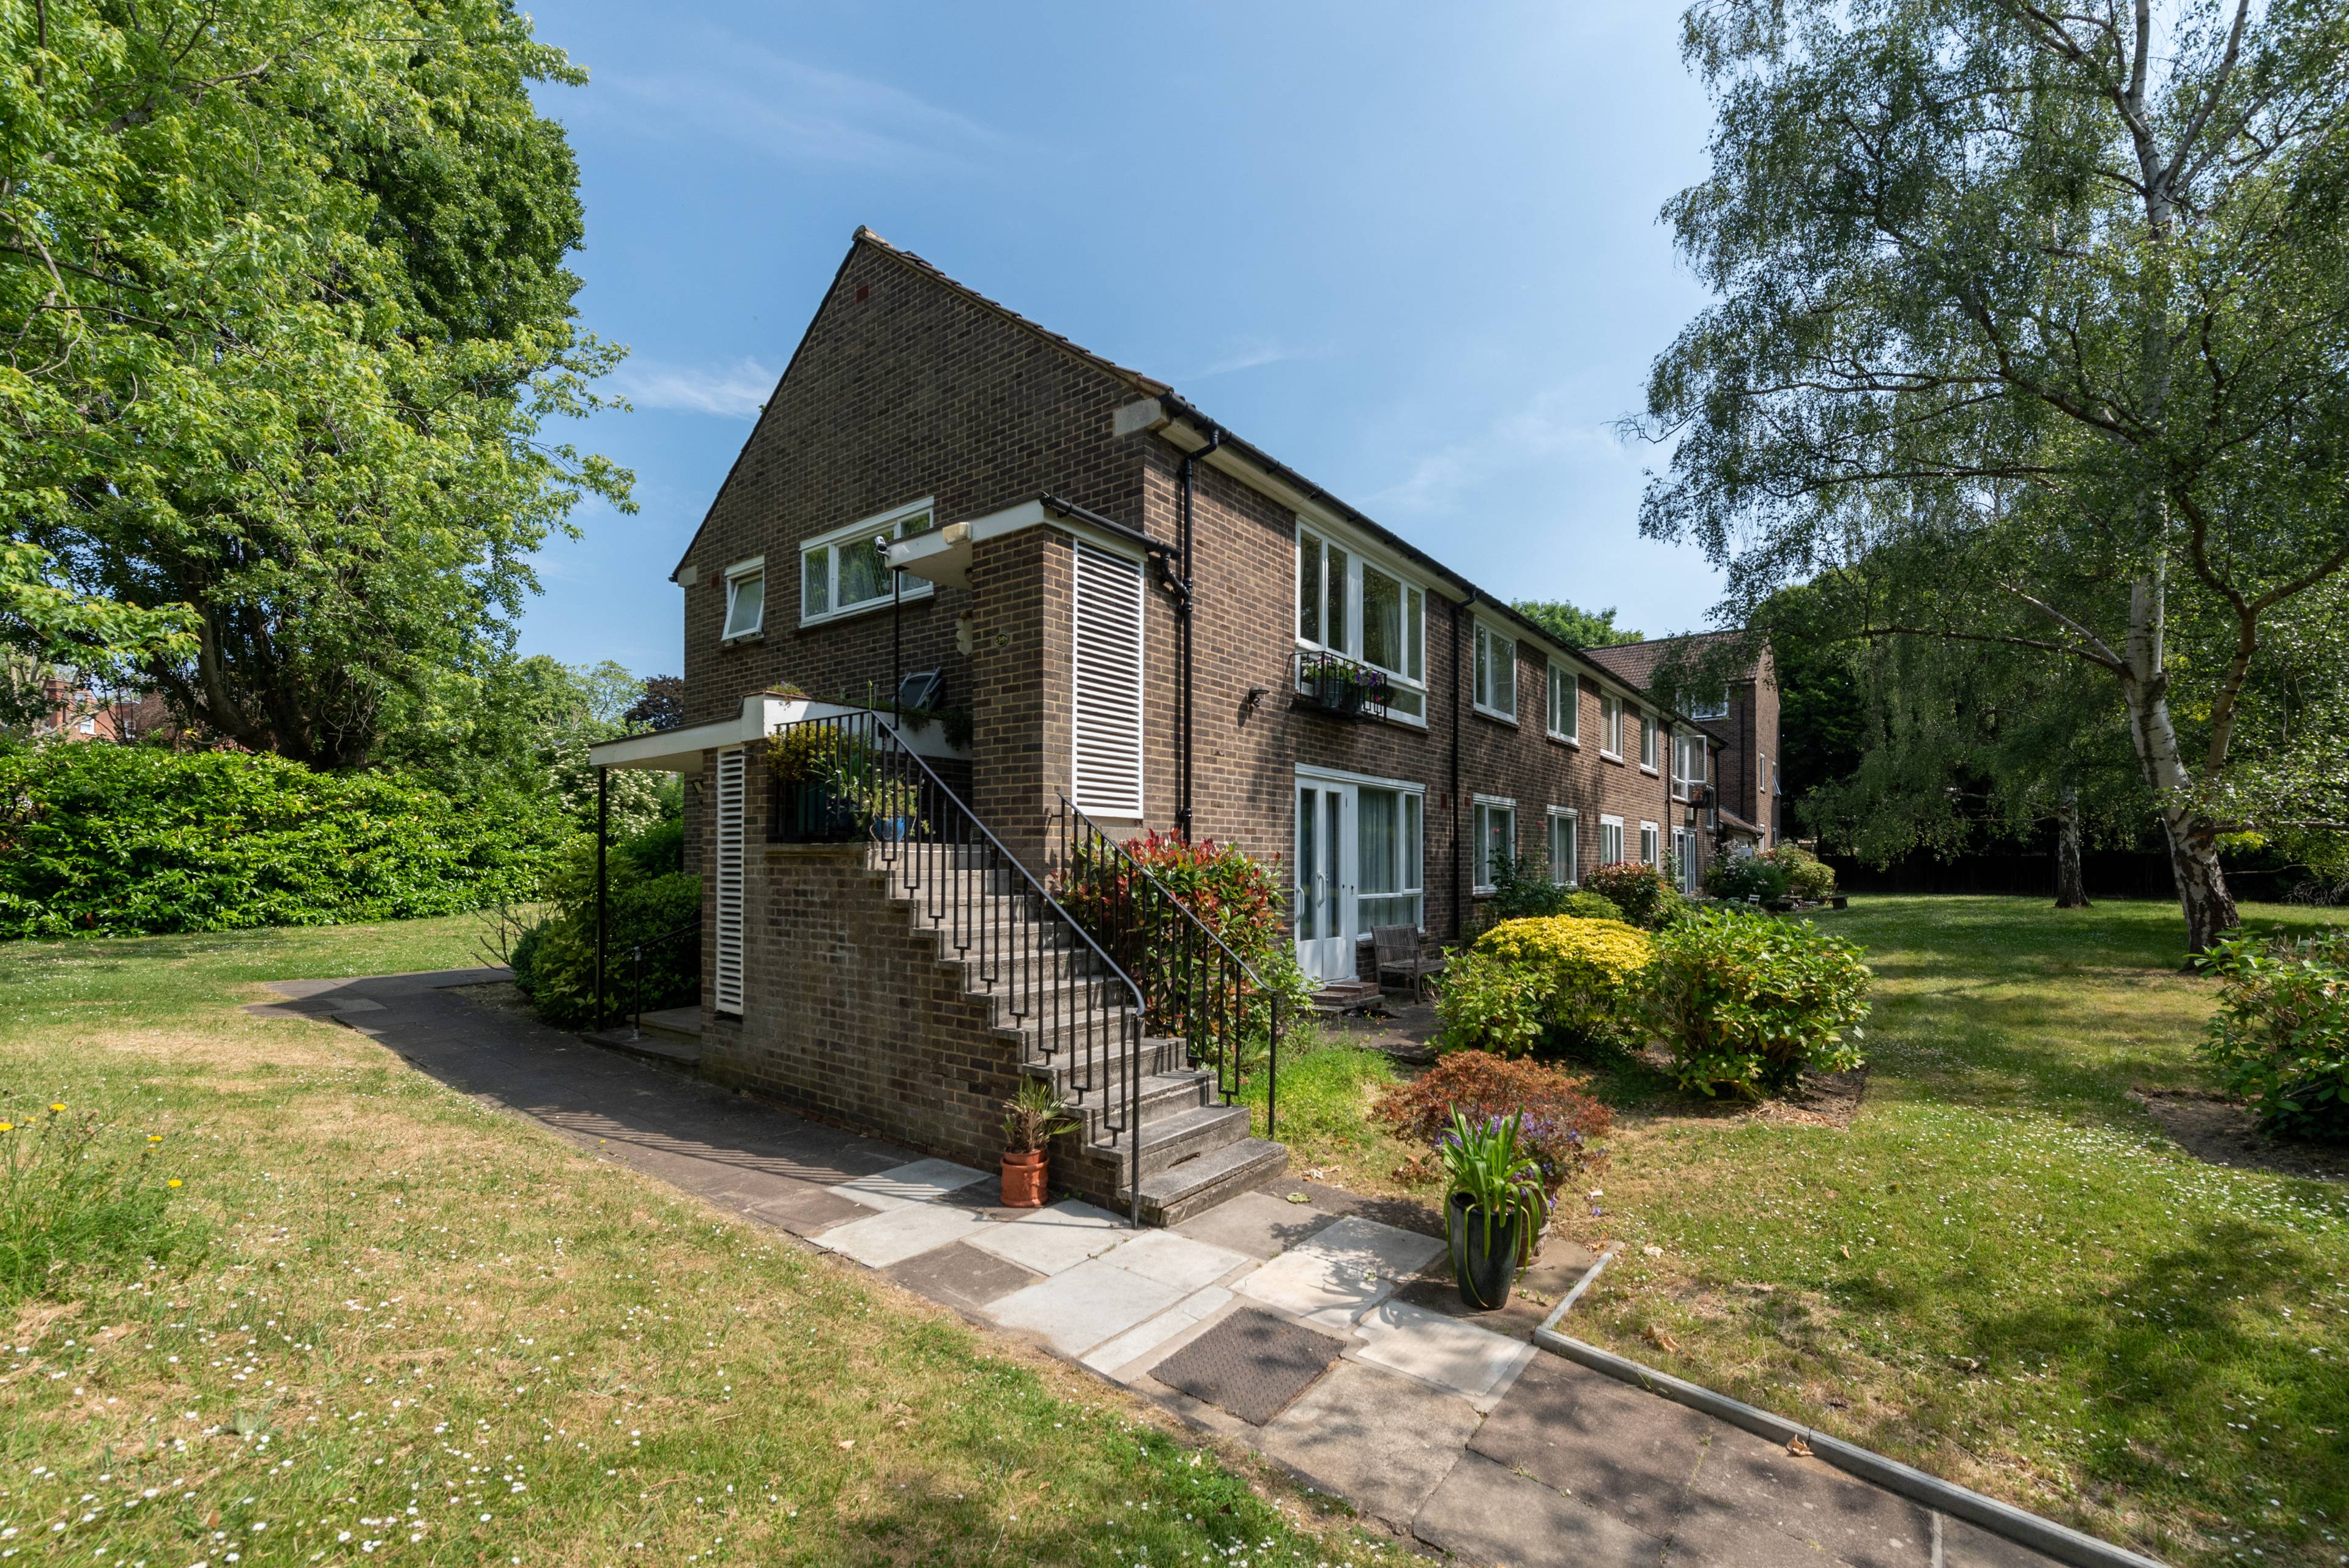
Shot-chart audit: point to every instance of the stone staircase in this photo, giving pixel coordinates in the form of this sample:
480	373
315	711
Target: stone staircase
1072	1021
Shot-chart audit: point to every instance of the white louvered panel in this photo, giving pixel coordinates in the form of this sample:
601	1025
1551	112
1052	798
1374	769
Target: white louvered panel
1105	712
730	782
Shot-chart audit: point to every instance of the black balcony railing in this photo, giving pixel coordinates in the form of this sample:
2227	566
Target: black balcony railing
851	779
1194	987
1336	684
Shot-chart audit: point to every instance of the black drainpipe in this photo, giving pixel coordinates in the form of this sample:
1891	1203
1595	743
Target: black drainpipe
1459	860
1182	766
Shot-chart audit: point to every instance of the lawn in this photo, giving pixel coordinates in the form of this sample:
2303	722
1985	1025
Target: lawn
424	1330
2003	1271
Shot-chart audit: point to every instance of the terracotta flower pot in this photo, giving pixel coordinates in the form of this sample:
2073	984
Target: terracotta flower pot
1023	1180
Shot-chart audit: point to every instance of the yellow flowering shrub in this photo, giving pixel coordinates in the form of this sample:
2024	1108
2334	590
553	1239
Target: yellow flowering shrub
1559	979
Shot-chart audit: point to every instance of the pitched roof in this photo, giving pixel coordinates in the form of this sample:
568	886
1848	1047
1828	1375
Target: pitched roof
1635	661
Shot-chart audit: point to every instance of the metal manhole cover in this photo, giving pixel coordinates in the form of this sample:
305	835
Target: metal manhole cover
1251	1364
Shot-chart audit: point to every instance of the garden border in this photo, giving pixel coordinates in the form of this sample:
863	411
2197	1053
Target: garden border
2057	1541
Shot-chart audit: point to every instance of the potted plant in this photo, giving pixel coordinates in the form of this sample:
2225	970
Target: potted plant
809	761
1031	1118
1495	1207
1335	685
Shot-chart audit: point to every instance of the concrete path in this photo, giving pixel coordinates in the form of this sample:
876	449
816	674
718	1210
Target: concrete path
1453	1430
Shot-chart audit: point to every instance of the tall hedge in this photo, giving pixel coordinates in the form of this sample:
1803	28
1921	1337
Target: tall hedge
111	840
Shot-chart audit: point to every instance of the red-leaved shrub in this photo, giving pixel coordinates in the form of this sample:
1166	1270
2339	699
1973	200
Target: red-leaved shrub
1562	1128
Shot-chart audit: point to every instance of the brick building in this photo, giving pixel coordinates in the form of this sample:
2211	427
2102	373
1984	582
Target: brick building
1144	613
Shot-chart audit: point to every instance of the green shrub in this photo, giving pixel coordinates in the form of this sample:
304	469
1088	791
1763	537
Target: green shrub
79	1197
1585	905
1748	1001
1742	877
1639	891
1807	875
2281	1036
1568	982
554	960
112	840
1522	889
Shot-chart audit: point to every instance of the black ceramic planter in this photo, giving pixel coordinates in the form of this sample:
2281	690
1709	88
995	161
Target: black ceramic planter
1486	1272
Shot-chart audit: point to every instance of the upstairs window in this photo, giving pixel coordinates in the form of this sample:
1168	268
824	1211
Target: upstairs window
1565	706
1712	703
1688	765
1648	742
746	599
1611	726
1357	610
846	571
1497	673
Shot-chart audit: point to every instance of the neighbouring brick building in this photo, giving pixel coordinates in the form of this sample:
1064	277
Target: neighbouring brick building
1142	610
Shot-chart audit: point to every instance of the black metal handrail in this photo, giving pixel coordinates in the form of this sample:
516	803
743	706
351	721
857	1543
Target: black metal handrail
1193	985
1336	684
853	777
636	972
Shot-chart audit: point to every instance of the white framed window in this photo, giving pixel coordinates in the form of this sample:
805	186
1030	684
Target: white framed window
1713	704
1650	843
1389	857
1360	609
1565	706
846	572
1610	840
1611	726
1497	673
1565	846
1648	740
746	599
1688	764
1497	838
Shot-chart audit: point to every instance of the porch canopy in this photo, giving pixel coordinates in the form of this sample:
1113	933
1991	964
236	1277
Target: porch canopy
681	751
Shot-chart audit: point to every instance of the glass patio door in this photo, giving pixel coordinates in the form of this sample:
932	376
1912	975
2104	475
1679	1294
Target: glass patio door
1323	901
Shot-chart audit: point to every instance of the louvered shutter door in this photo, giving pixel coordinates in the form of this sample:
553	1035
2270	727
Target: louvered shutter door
1106	712
730	780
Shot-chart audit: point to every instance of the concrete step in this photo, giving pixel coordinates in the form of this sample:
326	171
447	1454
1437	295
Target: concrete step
1187	1134
1175	1194
1162	1095
648	1046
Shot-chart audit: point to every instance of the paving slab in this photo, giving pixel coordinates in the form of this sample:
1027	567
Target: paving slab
1252	1364
1454	1356
1058	1237
923	1181
1078	1308
804	1209
1747	1484
1129	1354
960	1275
1622	1450
1561	1262
1260	1223
1381	1443
1484	1513
894	1235
1177	1260
1333	1277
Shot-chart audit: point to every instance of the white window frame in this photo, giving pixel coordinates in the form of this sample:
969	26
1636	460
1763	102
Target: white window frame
737	574
1481	866
892	523
1485	661
1683	780
1611	726
1417	892
1573	820
1648	728
1566	702
1350	645
1611	826
1652	844
1713	707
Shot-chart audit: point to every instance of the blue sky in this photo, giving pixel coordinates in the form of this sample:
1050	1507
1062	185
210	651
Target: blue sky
1411	250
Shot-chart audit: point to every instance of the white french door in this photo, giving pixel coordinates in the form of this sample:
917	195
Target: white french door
1323	902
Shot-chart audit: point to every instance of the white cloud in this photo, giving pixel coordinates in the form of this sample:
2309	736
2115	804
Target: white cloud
1246	355
739	91
732	391
1548	433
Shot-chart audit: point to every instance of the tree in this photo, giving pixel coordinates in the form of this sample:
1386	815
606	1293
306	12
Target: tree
282	311
2056	301
1575	627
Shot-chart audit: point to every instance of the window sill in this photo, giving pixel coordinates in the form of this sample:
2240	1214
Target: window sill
1615	757
828	617
1565	740
1650	771
741	638
1496	715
